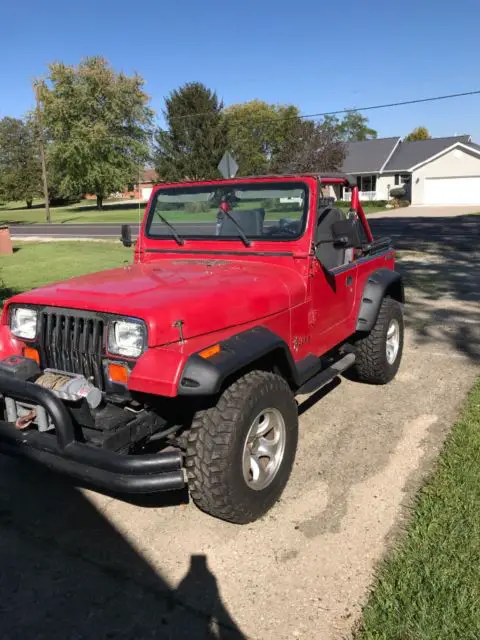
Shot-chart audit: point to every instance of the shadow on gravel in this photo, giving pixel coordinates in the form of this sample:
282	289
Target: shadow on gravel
440	260
66	572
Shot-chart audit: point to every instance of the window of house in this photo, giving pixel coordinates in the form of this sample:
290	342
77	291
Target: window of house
367	183
401	178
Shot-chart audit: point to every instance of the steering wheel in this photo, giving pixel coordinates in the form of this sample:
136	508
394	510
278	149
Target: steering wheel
287	227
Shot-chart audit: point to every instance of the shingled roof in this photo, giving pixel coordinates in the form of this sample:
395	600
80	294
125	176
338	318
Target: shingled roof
368	156
391	154
409	154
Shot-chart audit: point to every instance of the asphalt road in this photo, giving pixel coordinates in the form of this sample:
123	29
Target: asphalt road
80	564
403	229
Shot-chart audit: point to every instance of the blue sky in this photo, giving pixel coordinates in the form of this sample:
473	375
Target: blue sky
320	56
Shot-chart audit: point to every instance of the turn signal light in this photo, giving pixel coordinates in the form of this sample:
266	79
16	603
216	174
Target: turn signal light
30	352
118	372
209	352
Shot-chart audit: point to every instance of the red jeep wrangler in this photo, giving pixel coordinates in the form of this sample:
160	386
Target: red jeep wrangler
185	365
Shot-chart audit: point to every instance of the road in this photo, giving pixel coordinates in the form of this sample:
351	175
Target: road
79	564
397	225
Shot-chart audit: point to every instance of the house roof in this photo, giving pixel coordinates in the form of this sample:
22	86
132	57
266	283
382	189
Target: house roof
368	156
149	175
474	146
409	154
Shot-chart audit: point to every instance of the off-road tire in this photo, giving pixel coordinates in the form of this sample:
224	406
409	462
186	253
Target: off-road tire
215	448
371	364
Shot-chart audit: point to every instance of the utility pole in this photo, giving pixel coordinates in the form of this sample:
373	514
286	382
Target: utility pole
41	140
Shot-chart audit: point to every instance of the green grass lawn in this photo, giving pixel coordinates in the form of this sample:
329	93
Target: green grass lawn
429	588
83	212
86	212
35	264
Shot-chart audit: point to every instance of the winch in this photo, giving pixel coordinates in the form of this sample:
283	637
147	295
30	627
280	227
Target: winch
70	386
66	386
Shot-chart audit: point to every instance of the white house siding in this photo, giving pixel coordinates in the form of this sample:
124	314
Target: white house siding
457	163
384	182
381	190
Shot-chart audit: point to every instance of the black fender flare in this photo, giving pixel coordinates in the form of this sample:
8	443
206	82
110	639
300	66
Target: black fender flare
380	283
205	376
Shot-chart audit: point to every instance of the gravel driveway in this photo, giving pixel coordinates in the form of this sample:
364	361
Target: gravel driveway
76	564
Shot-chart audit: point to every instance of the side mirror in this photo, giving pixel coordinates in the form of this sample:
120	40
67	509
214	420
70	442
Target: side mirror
346	234
126	235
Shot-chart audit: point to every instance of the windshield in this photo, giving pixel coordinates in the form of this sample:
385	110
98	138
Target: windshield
245	212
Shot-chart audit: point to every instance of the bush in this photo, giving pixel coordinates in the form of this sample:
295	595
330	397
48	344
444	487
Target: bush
270	203
398	192
63	201
169	206
197	207
381	204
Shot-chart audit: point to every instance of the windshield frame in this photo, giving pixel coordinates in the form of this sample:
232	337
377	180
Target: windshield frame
260	185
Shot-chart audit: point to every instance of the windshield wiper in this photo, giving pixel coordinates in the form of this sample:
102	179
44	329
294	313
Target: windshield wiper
241	232
178	238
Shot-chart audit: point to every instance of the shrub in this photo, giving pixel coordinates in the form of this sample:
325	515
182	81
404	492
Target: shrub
197	207
371	203
269	203
63	201
168	206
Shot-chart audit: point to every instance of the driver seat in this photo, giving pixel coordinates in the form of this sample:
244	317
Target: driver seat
251	222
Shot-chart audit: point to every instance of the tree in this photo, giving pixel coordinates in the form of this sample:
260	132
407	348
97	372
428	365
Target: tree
193	144
419	133
98	126
311	146
353	126
256	133
20	172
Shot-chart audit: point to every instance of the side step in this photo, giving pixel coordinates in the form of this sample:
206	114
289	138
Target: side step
326	375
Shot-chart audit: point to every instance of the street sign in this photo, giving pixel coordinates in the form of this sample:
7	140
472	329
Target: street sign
228	166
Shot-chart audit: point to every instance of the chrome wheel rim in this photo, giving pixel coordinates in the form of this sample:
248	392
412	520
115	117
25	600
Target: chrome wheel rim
393	341
264	449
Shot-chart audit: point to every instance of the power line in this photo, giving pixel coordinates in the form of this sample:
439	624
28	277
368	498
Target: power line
276	120
350	110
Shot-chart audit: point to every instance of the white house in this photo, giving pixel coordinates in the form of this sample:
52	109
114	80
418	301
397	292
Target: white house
440	171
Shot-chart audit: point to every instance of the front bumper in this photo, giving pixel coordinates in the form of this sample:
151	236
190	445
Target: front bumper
61	451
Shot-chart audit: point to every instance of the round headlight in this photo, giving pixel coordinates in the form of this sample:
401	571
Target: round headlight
126	338
23	323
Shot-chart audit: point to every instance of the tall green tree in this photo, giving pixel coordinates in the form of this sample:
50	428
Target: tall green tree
311	147
193	144
419	133
257	132
20	171
353	126
98	125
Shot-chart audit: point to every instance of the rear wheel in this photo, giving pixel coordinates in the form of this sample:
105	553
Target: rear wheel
380	352
240	453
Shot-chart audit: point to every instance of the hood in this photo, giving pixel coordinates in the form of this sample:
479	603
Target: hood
206	295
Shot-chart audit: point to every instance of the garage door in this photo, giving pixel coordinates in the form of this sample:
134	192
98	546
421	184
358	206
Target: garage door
464	190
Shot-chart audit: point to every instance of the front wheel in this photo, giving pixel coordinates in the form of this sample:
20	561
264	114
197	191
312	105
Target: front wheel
240	452
378	354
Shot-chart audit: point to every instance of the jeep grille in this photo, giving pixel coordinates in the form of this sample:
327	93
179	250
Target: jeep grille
73	341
